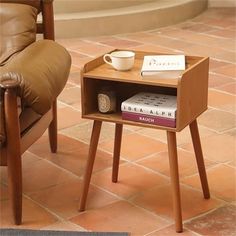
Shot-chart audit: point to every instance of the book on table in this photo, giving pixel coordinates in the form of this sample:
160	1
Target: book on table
145	107
163	66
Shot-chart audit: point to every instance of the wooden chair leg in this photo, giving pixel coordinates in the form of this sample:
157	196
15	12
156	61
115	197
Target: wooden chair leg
89	168
15	185
199	157
173	161
116	153
13	154
52	129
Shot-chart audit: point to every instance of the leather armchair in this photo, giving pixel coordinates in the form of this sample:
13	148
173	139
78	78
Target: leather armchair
32	75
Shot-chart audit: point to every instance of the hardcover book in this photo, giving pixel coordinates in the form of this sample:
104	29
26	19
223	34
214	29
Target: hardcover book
153	104
163	66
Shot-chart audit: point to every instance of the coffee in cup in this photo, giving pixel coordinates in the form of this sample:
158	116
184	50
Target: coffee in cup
120	60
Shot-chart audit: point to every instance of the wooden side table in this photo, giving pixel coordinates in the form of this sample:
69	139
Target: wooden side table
191	91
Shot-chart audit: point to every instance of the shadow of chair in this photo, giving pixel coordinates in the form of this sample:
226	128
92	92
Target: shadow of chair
32	75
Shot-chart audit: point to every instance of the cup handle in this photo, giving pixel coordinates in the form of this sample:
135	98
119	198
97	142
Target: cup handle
105	59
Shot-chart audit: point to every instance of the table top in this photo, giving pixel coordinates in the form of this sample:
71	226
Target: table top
98	69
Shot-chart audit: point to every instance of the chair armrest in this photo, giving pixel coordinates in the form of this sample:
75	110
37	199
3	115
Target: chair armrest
10	80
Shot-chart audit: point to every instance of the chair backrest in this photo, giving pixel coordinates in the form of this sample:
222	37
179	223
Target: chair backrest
46	27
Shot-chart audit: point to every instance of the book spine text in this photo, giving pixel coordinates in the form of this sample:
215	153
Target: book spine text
141	109
143	118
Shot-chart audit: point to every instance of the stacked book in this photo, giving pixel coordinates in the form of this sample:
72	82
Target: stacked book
163	66
159	109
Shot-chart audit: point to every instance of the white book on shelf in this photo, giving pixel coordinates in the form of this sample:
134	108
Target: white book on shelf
161	105
163	66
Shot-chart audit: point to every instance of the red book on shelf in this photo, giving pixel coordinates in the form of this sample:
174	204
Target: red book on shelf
143	118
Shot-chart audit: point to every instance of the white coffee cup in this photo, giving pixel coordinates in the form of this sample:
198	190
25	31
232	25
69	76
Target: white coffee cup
120	60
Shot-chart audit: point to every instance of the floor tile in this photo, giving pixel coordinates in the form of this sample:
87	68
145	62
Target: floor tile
229	70
64	226
131	180
222	182
75	74
170	43
153	48
217	80
83	132
99	39
120	43
198	27
218	222
41	148
60	105
213	120
159	201
33	182
231	132
70	95
229	88
120	216
75	160
228	44
68	117
232	163
94	49
220	148
219	22
63	199
224	33
74	68
52	175
69	85
214	64
227	56
138	36
132	127
172	32
71	155
28	159
186	161
207	40
170	231
139	146
71	43
182	137
77	106
34	216
79	59
202	50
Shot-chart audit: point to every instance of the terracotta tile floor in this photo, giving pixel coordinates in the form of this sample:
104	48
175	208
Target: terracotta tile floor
140	202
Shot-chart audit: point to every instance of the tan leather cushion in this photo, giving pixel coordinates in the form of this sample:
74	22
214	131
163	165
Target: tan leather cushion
33	3
18	28
44	66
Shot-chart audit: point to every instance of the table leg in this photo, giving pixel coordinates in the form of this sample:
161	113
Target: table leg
116	153
89	168
173	161
199	157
